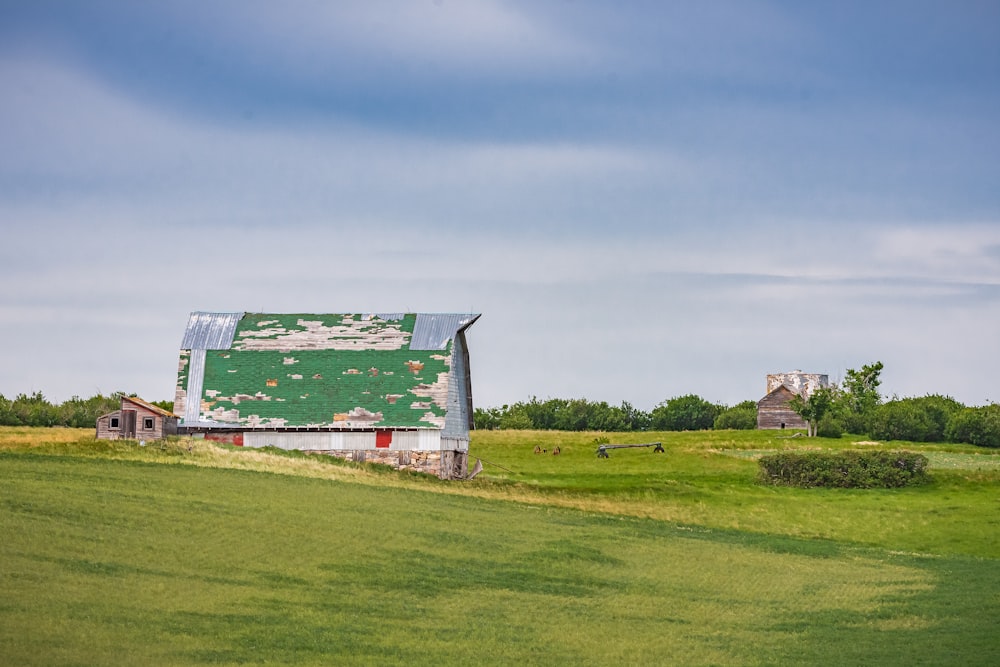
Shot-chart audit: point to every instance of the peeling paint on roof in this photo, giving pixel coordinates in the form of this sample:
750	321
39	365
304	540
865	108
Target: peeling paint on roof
350	371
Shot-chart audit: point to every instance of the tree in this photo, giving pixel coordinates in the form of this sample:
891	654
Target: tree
860	396
487	419
815	407
684	413
635	419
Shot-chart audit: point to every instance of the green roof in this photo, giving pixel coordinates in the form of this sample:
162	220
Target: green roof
322	371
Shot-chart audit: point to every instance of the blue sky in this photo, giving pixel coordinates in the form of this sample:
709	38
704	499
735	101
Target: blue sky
644	199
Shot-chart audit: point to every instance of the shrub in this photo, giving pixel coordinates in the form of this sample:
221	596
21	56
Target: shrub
845	469
917	419
742	416
939	409
976	426
901	420
829	427
515	421
685	413
855	422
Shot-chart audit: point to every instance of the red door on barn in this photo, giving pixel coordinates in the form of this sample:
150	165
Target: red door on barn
383	438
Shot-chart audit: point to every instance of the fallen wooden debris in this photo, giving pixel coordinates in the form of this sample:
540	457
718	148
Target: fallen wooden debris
602	451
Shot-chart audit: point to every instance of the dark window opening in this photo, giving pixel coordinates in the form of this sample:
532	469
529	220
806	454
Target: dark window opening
115	422
147	423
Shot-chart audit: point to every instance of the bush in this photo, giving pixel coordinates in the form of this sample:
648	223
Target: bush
901	420
976	426
829	427
560	414
852	469
741	417
916	419
940	410
855	422
515	421
685	413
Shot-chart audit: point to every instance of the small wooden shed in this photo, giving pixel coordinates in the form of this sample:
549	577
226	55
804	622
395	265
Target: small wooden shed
773	411
136	420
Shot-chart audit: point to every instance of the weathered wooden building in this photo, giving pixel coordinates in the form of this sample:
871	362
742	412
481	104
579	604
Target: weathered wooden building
137	420
773	411
392	388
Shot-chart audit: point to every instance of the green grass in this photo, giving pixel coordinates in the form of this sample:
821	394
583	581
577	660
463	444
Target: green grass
710	479
192	554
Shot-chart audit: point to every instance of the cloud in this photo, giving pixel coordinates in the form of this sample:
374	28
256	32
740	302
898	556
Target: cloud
643	202
954	251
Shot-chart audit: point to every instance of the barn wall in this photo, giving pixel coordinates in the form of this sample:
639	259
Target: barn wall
162	426
104	431
773	419
419	450
456	444
442	464
773	411
459	416
408	440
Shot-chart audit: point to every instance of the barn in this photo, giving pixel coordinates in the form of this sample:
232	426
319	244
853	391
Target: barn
391	388
137	420
773	411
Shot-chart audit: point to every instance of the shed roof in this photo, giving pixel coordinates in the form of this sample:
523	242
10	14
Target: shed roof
322	370
149	406
780	389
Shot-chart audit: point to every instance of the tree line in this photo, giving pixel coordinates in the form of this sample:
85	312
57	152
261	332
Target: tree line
35	410
857	406
681	413
853	406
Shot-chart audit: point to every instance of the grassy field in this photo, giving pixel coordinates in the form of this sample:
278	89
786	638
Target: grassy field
195	554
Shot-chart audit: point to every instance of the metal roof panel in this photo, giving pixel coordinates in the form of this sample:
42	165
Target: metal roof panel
210	331
432	331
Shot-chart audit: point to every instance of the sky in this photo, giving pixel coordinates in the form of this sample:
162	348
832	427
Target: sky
643	199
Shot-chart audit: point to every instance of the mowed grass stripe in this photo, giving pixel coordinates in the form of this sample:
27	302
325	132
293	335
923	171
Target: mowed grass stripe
119	562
